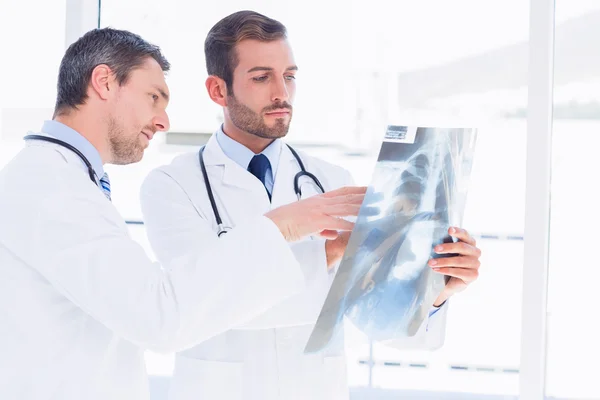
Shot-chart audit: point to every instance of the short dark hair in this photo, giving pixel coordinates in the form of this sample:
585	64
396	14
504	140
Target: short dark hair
219	46
120	50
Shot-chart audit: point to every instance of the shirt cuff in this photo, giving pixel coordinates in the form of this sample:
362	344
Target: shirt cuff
435	309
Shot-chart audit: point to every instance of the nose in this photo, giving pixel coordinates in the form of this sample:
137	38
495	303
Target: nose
280	91
161	122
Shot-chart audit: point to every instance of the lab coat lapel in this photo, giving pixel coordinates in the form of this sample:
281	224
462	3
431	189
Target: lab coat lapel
227	171
283	188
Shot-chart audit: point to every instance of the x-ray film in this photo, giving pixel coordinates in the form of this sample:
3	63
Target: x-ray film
384	285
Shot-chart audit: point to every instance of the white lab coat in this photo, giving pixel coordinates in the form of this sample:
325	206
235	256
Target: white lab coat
262	359
80	301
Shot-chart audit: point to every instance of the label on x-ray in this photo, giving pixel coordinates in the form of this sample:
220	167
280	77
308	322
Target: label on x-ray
400	134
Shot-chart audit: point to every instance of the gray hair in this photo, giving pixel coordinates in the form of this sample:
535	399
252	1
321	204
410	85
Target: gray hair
120	50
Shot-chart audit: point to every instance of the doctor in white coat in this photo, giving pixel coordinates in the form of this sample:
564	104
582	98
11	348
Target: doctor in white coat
249	171
79	299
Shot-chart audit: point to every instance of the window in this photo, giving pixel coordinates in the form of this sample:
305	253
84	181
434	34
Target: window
573	348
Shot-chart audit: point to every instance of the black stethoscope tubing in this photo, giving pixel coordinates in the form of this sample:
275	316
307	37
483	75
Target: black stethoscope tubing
211	197
66	145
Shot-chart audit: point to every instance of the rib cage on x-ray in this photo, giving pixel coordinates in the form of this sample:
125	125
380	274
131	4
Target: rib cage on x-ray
384	285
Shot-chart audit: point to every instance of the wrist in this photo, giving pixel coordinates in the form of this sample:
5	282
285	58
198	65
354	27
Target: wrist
281	224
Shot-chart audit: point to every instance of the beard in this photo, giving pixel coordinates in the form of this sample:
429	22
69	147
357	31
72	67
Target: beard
249	121
125	149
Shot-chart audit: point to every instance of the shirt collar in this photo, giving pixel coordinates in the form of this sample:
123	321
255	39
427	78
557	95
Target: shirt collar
68	135
243	155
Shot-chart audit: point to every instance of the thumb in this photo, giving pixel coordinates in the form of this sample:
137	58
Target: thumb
328	234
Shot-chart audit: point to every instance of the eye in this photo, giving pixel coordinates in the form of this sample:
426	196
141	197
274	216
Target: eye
260	78
290	77
155	97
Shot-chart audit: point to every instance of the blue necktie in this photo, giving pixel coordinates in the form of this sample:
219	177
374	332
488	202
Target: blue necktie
259	165
105	185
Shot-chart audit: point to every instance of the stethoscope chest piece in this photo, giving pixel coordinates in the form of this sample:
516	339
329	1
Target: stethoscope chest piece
223	229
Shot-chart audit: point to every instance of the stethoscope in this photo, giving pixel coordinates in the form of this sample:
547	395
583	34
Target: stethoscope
297	189
66	145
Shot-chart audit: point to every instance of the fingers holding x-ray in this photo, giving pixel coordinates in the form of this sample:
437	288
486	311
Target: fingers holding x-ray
470	262
458	248
466	275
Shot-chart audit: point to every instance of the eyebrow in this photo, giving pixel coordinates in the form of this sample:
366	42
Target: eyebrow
292	68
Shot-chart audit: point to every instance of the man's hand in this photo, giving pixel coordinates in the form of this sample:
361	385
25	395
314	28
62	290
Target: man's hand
334	249
462	269
321	214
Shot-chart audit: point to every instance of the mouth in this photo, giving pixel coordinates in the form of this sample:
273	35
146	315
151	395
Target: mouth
278	113
148	135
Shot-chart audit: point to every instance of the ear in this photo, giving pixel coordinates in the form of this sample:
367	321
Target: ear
217	90
102	81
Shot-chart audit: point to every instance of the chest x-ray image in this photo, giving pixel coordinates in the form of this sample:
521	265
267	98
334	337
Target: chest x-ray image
383	284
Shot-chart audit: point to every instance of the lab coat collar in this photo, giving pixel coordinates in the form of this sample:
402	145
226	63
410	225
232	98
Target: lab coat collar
243	155
232	174
67	134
